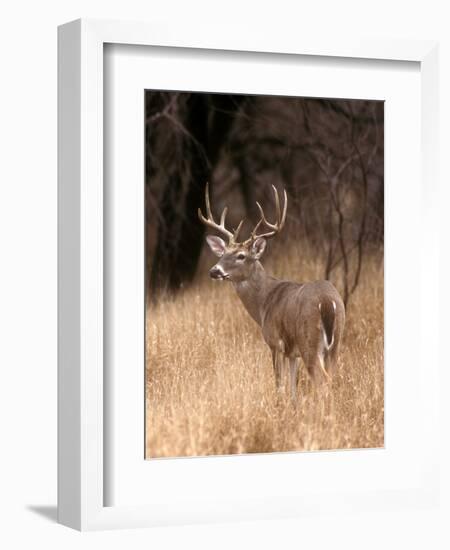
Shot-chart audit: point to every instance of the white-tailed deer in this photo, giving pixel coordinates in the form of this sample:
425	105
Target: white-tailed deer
298	320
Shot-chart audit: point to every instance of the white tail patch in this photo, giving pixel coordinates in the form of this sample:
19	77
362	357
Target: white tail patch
322	367
327	345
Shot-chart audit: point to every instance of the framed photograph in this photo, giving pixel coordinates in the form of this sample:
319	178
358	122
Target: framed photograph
212	386
237	336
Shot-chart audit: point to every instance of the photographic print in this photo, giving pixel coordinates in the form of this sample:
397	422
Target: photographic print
264	255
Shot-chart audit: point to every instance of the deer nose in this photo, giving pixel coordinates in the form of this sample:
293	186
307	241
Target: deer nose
216	272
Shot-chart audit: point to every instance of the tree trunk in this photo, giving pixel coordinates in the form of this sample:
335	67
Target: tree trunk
180	241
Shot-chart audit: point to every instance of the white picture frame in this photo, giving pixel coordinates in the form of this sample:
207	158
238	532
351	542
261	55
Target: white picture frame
81	481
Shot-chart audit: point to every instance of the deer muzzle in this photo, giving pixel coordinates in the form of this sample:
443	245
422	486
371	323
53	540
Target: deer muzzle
216	272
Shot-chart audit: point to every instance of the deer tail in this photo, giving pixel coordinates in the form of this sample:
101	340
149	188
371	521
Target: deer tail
327	310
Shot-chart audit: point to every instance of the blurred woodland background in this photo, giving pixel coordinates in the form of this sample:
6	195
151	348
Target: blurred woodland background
210	386
327	153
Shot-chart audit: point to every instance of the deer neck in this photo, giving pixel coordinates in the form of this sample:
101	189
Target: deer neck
253	291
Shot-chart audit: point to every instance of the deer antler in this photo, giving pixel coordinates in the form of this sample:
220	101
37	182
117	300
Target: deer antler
232	236
275	227
220	227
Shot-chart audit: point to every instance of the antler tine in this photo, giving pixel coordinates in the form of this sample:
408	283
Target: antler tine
208	204
263	217
223	216
237	230
281	217
277	203
209	221
253	236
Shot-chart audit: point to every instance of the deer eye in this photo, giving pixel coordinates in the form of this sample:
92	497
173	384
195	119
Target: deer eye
240	256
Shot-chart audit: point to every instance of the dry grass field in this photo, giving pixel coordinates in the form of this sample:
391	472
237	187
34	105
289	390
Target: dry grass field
210	384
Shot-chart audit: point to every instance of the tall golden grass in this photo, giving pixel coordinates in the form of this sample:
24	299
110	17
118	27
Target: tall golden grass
209	383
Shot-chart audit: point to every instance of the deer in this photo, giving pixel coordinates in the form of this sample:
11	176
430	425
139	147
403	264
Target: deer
299	321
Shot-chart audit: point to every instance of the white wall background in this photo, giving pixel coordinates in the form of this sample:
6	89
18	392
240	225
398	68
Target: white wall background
28	270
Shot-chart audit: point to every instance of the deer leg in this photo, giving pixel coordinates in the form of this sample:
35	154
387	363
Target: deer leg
308	360
277	366
284	364
294	365
315	366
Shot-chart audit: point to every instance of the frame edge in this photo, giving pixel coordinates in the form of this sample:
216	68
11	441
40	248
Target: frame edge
69	334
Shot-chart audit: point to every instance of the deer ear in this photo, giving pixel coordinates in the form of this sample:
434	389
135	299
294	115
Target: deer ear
258	247
216	244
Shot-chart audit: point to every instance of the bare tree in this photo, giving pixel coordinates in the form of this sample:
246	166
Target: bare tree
184	135
327	154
